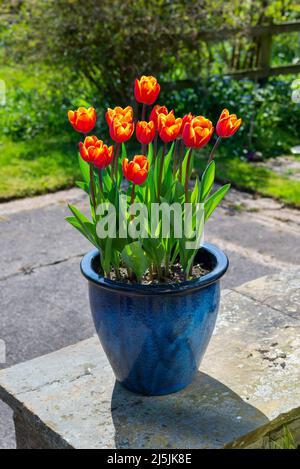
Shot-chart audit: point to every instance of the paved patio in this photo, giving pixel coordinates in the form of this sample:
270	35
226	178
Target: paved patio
44	304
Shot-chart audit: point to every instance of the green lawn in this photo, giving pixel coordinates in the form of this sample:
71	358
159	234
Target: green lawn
45	165
255	179
36	166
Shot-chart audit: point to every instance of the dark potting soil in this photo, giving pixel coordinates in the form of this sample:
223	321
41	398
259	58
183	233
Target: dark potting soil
176	275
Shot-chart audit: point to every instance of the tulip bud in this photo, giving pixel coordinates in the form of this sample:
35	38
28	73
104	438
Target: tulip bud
145	132
136	170
227	124
96	152
169	127
146	90
120	131
155	113
124	115
83	120
198	132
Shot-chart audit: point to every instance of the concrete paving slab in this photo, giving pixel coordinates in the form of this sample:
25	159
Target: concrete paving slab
43	311
7	431
280	291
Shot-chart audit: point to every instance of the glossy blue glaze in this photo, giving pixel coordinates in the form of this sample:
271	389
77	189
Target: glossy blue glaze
155	336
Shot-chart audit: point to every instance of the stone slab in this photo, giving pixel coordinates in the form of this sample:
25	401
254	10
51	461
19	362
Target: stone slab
249	380
280	291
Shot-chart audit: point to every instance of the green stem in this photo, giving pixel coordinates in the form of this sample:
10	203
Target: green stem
100	180
115	162
214	149
155	147
161	171
175	158
181	161
132	199
92	187
186	186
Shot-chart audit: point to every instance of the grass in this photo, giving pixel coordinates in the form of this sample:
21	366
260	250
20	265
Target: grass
287	441
263	181
36	166
47	164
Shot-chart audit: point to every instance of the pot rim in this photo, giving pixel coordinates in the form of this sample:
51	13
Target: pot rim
219	258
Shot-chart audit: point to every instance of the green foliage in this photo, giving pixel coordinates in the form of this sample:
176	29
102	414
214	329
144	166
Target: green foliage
136	259
267	111
84	225
207	181
37	101
96	38
214	200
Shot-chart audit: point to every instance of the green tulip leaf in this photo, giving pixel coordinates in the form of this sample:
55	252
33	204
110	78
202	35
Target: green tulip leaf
85	169
214	200
135	258
207	181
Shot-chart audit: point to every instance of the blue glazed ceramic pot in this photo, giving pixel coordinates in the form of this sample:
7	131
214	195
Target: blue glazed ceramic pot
156	335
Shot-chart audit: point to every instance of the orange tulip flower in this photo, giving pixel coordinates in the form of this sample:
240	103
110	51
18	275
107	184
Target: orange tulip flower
155	113
83	120
136	170
187	118
125	114
120	131
146	90
96	152
145	132
198	132
227	124
169	127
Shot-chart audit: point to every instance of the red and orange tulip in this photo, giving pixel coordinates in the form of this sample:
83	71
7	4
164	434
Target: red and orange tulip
121	131
125	114
227	124
155	113
197	132
83	120
167	168
146	90
136	170
187	118
169	127
145	132
96	152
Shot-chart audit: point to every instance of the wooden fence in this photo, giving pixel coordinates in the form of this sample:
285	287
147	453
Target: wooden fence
260	38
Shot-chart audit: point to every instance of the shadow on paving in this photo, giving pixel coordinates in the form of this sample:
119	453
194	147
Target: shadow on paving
171	421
